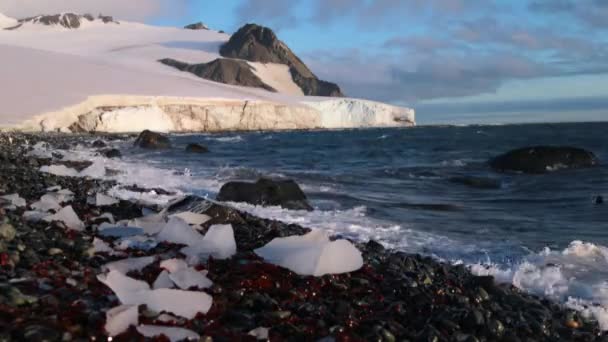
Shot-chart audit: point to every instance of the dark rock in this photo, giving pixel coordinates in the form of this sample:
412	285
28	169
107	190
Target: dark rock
67	20
477	182
152	140
266	192
228	71
197	26
260	44
107	19
99	144
542	159
598	200
196	148
111	153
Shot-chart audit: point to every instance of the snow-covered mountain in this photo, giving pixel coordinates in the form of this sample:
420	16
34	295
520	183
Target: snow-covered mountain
62	70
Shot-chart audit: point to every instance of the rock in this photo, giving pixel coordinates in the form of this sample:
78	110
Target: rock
266	192
7	232
99	144
598	200
67	20
223	70
477	182
152	140
542	159
197	26
260	44
196	148
111	153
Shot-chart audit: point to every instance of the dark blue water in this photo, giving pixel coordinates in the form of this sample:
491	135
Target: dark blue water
399	181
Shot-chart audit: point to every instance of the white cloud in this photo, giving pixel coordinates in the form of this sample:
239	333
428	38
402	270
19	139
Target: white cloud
121	9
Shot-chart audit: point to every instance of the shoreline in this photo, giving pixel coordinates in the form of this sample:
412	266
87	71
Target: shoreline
394	296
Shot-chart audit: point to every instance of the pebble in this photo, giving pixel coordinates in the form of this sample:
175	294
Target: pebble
7	232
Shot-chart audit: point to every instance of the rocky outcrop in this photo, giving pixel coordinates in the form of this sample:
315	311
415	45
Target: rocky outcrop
542	159
152	140
67	20
266	192
227	71
196	148
260	44
196	26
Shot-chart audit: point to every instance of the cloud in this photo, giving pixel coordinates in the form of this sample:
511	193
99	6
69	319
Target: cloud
275	13
592	13
122	9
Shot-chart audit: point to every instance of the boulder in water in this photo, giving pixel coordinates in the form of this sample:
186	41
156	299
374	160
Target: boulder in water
543	159
598	200
266	192
196	148
111	153
152	140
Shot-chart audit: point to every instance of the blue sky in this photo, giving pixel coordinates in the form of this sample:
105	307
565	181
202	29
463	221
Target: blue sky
532	59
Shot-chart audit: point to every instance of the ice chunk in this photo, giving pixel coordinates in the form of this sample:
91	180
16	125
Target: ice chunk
151	224
34	216
59	170
136	242
260	333
100	246
192	218
131	264
182	303
163	281
219	243
96	170
68	217
189	277
120	318
46	203
102	200
135	292
120	231
312	254
173	265
179	232
126	288
15	200
172	333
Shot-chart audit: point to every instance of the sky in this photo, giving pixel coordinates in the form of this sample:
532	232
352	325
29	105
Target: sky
534	60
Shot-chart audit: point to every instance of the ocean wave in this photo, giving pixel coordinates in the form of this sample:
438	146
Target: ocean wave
575	276
233	139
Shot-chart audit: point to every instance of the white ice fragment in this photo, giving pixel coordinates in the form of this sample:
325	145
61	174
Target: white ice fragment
15	200
163	281
182	303
173	265
187	278
96	170
131	264
151	224
59	170
192	218
102	200
259	333
174	334
218	242
179	232
34	216
120	318
100	246
46	203
127	289
68	217
312	254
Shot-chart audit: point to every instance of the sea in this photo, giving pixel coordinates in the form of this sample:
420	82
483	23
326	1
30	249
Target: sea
541	233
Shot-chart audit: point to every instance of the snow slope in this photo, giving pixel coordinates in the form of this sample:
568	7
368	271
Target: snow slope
53	76
7	21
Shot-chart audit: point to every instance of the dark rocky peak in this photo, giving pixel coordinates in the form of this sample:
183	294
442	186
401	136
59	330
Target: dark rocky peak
67	20
197	26
260	44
